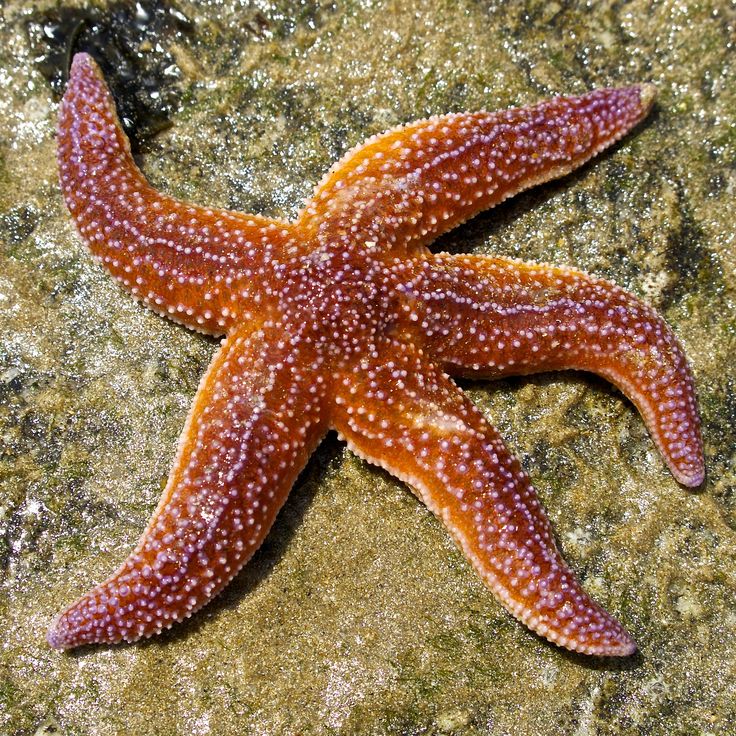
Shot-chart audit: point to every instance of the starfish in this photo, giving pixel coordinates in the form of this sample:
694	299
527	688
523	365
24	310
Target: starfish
343	319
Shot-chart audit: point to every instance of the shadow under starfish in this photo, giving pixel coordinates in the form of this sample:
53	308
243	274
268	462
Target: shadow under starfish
344	319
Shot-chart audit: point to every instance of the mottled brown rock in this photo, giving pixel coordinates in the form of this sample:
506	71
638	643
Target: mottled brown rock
358	615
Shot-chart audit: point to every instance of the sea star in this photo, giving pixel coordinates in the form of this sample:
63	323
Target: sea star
343	319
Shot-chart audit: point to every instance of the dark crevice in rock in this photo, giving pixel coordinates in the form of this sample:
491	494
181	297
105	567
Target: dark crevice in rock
132	44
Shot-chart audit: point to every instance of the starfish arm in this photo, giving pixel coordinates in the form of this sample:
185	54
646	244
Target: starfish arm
413	183
399	411
256	419
199	266
496	317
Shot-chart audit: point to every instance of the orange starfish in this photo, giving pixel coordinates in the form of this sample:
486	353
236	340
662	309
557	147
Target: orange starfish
343	319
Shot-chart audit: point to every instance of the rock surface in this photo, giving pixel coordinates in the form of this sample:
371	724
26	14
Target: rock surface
358	615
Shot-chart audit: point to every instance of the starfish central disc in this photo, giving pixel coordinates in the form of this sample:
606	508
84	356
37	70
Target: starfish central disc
344	319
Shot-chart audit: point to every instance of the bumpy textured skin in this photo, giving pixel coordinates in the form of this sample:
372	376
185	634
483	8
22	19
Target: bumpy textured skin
343	319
